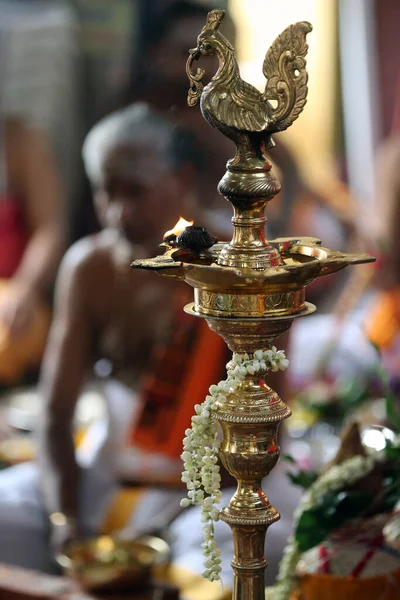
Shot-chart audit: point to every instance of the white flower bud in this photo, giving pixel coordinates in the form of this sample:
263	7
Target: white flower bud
208	503
214	513
242	371
236	371
237	359
209	563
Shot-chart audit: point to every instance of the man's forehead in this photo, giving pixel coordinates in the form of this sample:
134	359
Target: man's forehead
142	164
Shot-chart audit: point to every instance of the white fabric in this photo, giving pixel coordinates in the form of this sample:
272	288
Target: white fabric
126	462
23	522
24	529
311	336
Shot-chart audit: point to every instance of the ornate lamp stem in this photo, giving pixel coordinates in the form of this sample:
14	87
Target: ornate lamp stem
249	420
249	290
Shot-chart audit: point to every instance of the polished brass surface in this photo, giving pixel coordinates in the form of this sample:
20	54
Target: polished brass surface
246	305
108	564
250	290
249	118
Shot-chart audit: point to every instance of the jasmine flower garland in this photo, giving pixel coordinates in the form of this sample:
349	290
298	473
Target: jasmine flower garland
336	478
200	448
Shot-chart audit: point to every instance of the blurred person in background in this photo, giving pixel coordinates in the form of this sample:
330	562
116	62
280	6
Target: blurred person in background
130	328
31	243
162	82
383	322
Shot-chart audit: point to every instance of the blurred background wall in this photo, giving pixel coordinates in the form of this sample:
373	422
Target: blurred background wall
313	137
65	63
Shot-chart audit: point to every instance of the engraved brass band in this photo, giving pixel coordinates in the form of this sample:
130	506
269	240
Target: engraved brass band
244	305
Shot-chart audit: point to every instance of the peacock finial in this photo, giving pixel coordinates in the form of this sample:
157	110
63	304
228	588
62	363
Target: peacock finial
237	108
214	19
249	118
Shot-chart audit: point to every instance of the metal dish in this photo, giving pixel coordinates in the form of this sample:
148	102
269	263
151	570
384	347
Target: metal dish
106	563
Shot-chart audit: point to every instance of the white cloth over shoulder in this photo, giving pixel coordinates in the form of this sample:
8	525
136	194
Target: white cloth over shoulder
127	462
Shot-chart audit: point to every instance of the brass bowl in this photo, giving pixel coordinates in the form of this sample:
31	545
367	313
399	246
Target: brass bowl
106	563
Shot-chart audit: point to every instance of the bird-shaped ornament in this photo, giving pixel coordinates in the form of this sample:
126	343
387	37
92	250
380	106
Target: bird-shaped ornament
249	118
234	106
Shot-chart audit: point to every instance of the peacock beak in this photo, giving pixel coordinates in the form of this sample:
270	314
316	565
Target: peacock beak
195	53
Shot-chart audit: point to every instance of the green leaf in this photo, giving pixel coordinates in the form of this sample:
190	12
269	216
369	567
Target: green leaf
392	452
334	510
391	412
310	530
351	504
304	479
288	458
391	499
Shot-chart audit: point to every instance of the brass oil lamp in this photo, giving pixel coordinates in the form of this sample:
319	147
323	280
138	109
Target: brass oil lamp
249	290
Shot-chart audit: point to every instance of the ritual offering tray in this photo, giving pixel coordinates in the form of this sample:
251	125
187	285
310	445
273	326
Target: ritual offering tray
346	538
106	564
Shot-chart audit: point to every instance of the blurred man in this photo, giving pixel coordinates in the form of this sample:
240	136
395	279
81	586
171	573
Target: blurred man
124	324
383	324
163	83
31	242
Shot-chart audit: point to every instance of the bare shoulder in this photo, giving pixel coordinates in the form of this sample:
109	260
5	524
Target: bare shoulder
90	254
87	275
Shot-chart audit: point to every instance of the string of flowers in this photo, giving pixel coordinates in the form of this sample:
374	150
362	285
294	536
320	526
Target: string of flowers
200	448
333	480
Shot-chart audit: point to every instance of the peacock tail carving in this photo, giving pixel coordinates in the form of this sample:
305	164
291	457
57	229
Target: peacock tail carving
234	106
285	70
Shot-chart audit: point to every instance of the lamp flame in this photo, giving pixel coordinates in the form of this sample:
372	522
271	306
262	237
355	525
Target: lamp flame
178	228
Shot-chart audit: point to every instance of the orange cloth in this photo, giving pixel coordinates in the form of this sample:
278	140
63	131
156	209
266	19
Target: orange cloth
120	511
18	354
327	587
384	322
185	366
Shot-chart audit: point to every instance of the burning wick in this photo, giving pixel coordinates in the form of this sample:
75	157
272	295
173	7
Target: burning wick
172	234
195	238
187	236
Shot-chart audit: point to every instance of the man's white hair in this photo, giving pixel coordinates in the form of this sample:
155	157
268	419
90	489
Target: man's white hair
134	125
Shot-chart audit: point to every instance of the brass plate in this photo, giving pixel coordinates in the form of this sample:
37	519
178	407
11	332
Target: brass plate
106	563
